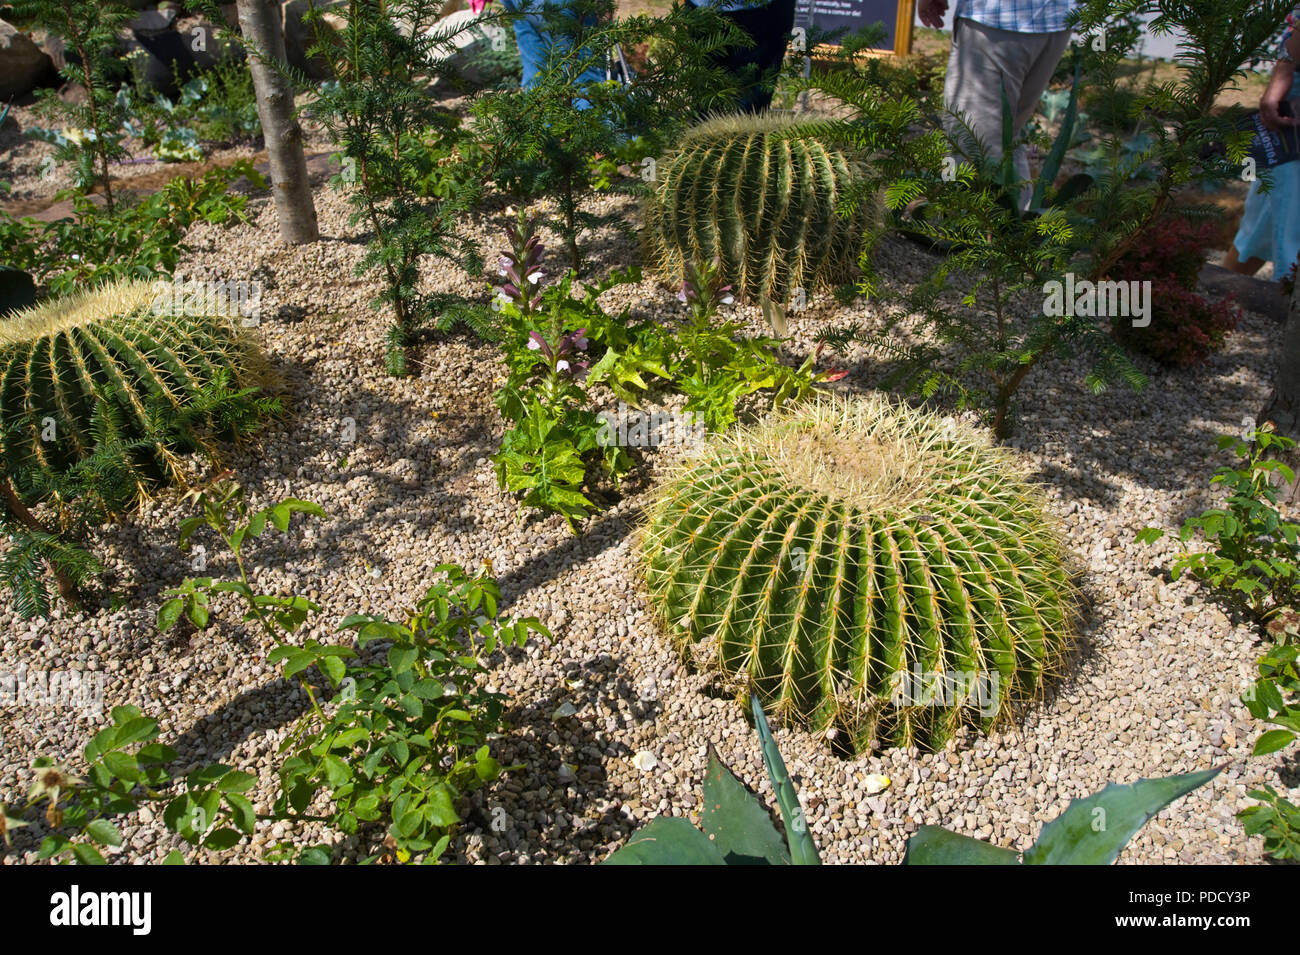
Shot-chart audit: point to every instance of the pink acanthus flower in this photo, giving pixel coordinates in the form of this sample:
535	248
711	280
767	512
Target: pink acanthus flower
565	352
574	341
521	264
702	285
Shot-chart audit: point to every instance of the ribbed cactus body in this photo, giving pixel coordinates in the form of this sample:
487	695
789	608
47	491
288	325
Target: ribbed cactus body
61	360
864	567
762	198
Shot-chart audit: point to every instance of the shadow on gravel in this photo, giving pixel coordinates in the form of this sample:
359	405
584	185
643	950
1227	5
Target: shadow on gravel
564	767
421	508
597	536
270	706
1075	671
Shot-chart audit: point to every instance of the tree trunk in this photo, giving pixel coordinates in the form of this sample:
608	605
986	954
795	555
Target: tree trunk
260	22
1283	405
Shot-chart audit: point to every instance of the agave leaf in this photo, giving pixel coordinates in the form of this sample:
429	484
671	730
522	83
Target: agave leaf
1052	165
803	851
935	845
1092	831
667	840
774	315
740	825
1007	165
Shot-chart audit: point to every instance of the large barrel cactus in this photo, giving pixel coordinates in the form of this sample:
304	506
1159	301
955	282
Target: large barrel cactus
65	362
759	193
865	568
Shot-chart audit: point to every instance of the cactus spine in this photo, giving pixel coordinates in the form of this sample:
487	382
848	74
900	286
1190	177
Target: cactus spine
851	560
759	193
61	360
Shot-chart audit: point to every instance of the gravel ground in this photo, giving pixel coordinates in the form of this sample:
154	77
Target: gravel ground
1152	689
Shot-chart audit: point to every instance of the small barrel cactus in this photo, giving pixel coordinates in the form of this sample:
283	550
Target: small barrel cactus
760	194
866	568
62	361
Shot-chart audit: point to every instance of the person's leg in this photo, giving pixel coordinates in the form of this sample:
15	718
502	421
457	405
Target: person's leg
984	62
1283	199
532	46
756	65
1255	241
1046	50
592	67
1233	262
769	26
1049	48
980	65
537	45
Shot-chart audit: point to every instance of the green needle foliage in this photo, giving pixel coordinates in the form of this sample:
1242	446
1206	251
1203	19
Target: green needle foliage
90	29
984	340
52	546
380	112
865	568
1188	140
32	557
761	194
565	138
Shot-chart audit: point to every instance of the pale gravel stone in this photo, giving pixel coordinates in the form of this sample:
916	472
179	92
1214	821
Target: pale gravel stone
1153	688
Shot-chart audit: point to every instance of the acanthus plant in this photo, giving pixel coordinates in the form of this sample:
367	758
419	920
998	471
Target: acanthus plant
560	347
716	366
521	266
555	435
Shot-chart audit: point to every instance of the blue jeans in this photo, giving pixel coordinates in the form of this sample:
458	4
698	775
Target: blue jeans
536	46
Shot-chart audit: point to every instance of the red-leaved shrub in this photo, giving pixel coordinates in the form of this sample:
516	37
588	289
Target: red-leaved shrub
1171	249
1185	328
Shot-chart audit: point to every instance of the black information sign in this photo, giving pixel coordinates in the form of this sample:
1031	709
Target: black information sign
855	14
